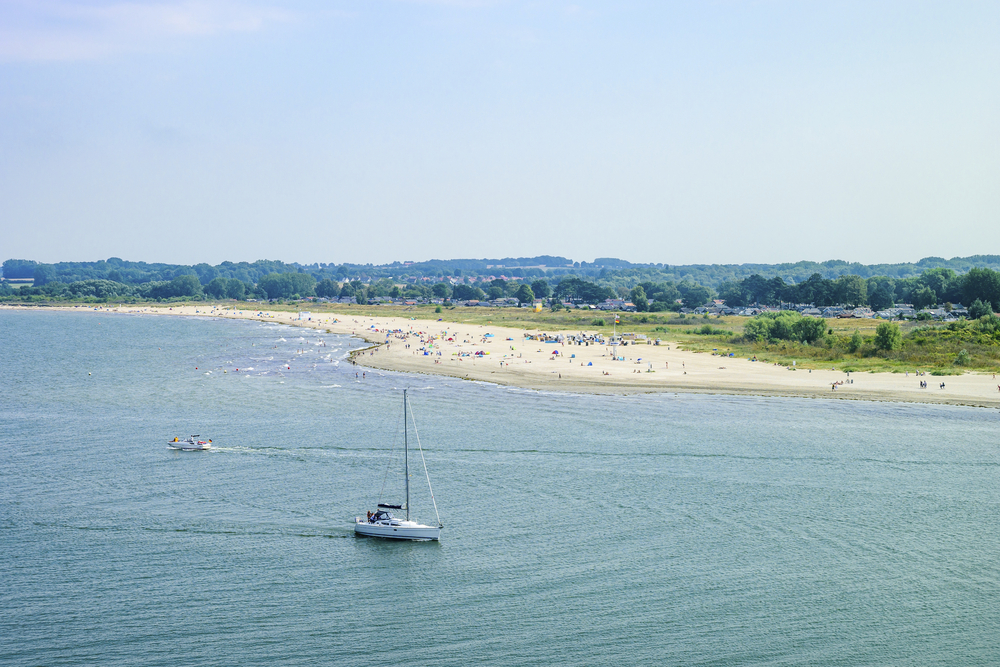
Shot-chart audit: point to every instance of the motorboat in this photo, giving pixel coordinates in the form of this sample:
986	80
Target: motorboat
382	522
190	444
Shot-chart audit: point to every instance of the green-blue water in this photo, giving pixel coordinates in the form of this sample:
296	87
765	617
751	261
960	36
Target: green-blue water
588	530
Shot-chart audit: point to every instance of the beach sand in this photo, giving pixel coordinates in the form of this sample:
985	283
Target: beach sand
507	358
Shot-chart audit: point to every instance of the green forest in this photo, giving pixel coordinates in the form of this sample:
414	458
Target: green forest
653	288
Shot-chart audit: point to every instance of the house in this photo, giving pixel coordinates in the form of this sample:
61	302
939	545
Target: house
617	304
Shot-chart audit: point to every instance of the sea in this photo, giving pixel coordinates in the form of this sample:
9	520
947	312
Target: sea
664	529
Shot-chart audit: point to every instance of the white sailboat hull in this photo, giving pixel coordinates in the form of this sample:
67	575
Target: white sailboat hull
397	530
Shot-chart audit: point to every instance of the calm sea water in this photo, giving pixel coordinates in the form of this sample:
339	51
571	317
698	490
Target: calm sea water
687	530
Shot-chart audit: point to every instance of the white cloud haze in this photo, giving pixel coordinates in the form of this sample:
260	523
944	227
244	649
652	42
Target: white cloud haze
372	131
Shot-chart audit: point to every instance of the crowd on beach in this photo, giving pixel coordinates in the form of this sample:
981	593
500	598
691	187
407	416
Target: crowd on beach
582	361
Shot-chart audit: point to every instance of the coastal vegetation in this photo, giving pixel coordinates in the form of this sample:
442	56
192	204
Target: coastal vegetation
782	336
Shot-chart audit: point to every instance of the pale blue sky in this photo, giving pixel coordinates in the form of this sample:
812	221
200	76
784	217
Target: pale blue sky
381	130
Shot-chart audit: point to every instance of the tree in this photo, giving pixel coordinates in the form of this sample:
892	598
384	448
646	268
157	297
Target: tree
467	293
541	289
940	280
185	286
881	298
236	289
573	287
43	274
763	290
734	294
327	289
851	290
524	294
638	296
275	286
441	290
206	272
285	285
979	309
809	329
888	337
816	290
980	284
758	329
693	295
216	288
923	297
381	287
19	268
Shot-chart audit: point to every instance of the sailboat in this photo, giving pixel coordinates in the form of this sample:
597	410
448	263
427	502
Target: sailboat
382	522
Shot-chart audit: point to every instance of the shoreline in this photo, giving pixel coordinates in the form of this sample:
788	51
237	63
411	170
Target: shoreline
503	356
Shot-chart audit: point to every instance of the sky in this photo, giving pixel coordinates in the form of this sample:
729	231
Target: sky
392	130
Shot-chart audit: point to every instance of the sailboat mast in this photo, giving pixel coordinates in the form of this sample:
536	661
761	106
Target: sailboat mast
406	457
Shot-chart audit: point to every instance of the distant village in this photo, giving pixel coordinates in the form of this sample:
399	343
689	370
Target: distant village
718	307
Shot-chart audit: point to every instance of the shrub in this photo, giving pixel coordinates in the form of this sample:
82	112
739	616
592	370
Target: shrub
599	322
709	330
989	324
963	358
980	308
888	337
787	325
856	342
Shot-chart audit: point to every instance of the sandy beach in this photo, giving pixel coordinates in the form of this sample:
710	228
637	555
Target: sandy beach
505	356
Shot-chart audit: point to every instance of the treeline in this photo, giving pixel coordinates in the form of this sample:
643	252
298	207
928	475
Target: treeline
616	274
115	278
137	273
181	287
934	286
